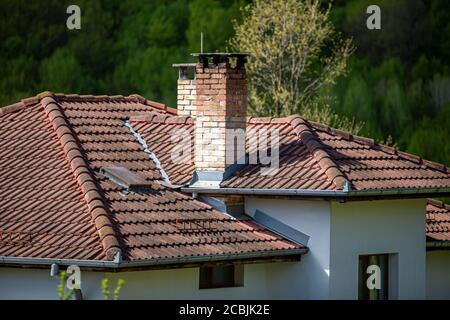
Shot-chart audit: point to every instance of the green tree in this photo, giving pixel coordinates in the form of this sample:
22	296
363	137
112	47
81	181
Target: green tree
358	102
214	19
63	73
428	139
293	56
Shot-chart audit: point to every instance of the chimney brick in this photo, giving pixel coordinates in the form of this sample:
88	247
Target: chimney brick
221	104
217	99
186	91
186	98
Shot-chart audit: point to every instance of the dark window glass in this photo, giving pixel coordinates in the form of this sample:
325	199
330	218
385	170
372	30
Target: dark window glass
218	277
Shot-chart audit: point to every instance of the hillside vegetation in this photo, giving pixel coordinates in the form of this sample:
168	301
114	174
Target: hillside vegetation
398	82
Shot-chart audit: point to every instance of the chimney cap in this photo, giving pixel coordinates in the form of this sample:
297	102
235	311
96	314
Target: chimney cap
220	54
220	57
184	65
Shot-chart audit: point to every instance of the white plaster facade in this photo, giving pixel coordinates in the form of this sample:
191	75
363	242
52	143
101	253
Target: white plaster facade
17	283
307	279
395	227
438	274
340	232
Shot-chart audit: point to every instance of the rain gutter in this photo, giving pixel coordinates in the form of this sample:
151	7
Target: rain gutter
61	262
216	258
444	245
151	262
318	193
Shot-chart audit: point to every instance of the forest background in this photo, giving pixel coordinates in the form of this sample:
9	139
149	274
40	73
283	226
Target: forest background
398	82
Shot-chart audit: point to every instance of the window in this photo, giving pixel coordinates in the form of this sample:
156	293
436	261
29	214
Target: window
375	267
221	276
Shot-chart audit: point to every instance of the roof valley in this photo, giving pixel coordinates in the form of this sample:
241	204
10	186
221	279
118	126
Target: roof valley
82	175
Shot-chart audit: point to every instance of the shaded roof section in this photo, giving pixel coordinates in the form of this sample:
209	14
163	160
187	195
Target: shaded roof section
59	205
312	157
438	221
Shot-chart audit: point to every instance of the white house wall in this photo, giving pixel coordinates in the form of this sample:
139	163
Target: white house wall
307	279
377	227
438	274
16	283
183	284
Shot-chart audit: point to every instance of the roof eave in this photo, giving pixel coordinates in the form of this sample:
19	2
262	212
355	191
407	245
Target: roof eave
336	194
438	245
235	257
260	256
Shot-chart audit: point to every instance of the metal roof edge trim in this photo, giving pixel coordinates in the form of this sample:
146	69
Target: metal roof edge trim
445	245
317	193
153	262
219	257
64	262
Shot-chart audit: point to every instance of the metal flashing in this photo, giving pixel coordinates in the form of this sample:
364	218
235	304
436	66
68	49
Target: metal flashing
125	178
280	228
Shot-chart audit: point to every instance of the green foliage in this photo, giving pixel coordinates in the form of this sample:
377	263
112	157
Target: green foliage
63	293
62	72
119	286
398	82
106	291
357	101
294	57
214	20
421	141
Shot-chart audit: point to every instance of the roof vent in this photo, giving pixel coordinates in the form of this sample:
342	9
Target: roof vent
125	178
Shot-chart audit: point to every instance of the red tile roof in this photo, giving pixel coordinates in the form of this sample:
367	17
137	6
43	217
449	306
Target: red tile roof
160	132
438	221
312	156
56	204
42	209
340	157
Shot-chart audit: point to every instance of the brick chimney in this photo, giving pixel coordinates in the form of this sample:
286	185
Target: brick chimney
186	92
217	98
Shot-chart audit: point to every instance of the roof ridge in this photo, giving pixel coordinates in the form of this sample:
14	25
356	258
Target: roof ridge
76	97
253	120
132	97
266	120
317	149
358	139
438	203
83	175
371	142
162	118
19	105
